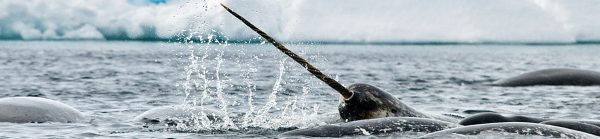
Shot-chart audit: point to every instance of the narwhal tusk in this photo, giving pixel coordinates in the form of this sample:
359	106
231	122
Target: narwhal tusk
329	81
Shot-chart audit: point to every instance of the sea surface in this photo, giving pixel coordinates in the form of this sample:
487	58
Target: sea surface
265	93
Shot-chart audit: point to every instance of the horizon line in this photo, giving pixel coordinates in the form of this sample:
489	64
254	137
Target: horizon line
258	41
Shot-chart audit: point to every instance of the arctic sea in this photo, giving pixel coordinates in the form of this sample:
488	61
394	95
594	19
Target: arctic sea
265	93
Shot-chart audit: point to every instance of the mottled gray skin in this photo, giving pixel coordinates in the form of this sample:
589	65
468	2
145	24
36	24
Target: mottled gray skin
588	126
368	102
557	76
592	122
583	126
372	111
177	114
374	127
513	127
484	118
36	110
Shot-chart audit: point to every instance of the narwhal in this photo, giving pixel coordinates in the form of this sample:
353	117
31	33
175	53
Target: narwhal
37	110
553	76
361	101
371	110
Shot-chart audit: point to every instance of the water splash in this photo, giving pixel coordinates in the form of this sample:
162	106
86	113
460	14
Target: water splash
261	114
209	85
251	87
227	122
206	62
204	86
206	83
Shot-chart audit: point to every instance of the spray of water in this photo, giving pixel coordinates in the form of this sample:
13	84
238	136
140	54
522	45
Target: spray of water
227	122
262	112
211	72
204	86
247	76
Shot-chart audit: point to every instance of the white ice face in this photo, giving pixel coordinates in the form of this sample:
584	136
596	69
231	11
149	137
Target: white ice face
331	21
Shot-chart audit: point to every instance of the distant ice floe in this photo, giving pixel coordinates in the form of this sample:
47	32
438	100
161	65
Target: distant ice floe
336	21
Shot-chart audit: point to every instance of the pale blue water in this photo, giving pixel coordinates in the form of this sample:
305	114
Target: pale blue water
112	82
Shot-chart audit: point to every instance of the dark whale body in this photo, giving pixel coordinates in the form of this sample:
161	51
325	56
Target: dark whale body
513	127
590	127
373	127
369	102
484	118
372	111
587	126
555	76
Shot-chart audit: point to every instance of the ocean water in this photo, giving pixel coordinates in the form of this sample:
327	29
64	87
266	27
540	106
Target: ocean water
265	93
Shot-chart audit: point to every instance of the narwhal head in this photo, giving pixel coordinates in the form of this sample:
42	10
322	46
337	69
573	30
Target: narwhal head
368	102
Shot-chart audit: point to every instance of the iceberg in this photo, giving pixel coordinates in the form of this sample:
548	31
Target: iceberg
332	21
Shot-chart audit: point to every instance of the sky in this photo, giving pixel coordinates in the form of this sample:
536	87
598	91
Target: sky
354	21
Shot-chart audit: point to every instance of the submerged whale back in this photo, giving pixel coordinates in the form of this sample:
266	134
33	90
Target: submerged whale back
35	109
374	127
178	114
513	127
557	76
